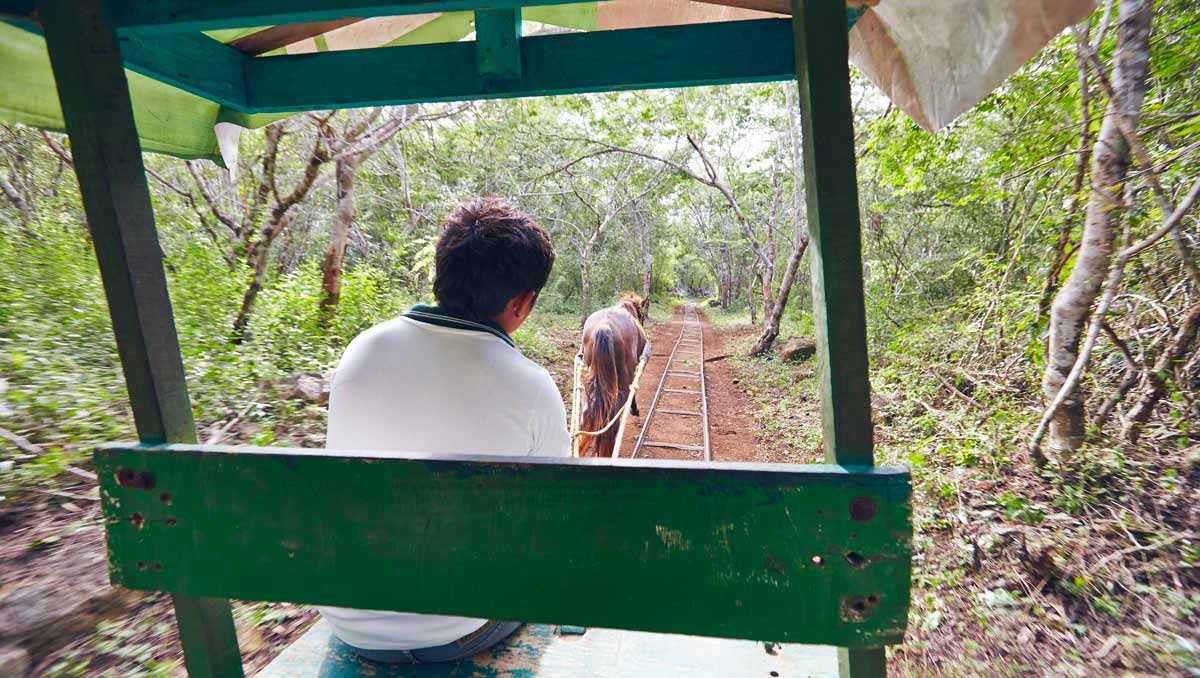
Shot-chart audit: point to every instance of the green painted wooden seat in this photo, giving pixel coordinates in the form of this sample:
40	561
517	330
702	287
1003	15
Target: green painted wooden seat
795	554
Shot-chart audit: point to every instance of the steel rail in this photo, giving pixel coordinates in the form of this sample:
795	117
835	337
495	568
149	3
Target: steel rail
703	390
691	323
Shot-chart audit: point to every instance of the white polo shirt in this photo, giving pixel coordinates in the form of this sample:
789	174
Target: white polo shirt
426	382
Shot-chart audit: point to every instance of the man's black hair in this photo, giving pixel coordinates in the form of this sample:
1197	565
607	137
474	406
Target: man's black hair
488	253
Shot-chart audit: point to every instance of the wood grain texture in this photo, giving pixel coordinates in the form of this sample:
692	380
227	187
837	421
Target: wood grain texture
269	39
816	554
720	53
94	95
831	189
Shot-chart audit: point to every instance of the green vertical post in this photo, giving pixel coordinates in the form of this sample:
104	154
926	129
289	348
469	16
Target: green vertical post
498	43
94	95
831	188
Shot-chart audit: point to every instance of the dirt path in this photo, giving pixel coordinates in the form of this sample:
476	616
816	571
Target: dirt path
730	421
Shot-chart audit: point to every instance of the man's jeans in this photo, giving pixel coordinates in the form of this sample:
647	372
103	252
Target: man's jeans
487	636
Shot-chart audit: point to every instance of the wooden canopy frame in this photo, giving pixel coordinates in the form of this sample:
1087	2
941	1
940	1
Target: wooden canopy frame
91	42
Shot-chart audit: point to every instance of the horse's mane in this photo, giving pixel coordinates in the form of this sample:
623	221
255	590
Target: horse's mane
633	304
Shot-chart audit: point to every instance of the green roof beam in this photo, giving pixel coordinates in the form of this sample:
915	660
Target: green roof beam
188	15
192	62
571	63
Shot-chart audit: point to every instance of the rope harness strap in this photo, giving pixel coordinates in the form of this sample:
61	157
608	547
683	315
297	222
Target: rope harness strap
621	414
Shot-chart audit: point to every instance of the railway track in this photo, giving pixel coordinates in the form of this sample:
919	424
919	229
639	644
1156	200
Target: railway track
681	394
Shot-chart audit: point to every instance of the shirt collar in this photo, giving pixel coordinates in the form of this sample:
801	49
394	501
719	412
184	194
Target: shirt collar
435	315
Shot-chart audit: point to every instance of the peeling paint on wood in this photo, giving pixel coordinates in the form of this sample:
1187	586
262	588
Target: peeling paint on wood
730	550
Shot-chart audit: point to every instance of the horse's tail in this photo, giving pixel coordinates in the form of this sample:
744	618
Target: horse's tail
600	390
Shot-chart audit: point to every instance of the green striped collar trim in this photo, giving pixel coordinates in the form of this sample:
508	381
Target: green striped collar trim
441	317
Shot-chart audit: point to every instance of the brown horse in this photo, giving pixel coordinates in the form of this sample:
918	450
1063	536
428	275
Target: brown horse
613	340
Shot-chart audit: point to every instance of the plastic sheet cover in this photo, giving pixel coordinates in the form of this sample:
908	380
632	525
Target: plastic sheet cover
935	59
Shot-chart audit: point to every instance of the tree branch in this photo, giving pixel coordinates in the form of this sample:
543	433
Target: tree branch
1114	282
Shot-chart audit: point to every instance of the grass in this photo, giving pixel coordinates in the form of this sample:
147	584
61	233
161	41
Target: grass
785	394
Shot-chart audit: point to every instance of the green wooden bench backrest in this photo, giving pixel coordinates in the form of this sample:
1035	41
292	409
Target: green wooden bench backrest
813	554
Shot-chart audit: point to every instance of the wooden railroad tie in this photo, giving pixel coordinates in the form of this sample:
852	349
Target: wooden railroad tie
686	413
681	390
691	375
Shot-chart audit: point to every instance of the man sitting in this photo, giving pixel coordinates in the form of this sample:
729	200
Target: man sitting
449	379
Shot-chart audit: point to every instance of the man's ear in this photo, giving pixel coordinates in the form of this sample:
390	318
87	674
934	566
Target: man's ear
522	304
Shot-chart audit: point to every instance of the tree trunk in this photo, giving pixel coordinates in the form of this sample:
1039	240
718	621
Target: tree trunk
764	288
771	322
647	271
1060	252
1110	163
18	200
259	256
767	281
1155	381
586	285
756	276
339	235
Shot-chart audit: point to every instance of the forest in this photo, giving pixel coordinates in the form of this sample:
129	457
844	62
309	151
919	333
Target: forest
1033	313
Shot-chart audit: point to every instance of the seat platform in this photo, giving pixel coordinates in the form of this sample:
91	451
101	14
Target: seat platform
538	650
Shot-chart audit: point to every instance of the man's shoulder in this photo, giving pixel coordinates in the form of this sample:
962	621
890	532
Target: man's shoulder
374	345
386	332
538	374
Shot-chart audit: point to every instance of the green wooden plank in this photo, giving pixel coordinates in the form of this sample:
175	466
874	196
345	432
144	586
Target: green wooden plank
814	554
750	51
498	43
94	95
192	62
189	15
831	190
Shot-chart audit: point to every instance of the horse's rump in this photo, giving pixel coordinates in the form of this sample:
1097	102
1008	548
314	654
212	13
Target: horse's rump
613	339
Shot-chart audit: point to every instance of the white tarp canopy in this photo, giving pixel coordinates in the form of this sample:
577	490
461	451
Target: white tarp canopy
934	59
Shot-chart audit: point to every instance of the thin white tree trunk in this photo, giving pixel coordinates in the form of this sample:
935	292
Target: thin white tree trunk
339	234
1110	164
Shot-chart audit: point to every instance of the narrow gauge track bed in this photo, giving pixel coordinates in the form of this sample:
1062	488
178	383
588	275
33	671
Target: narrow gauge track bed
731	413
674	423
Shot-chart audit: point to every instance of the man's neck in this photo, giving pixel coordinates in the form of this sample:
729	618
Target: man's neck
437	315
